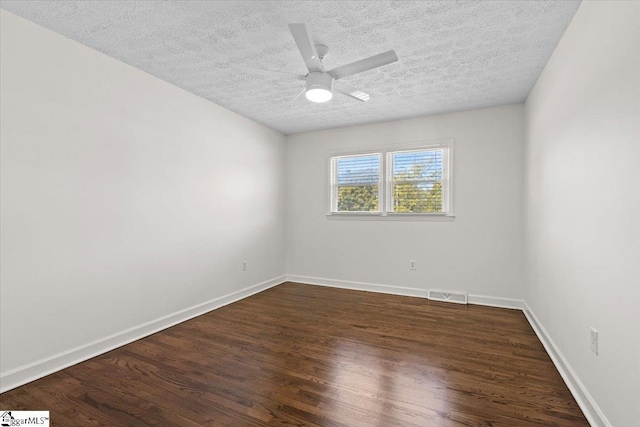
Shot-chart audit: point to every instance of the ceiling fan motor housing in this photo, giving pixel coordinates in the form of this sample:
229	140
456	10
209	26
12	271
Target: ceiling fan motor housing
319	80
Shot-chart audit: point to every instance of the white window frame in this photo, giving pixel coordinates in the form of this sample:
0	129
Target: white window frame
385	188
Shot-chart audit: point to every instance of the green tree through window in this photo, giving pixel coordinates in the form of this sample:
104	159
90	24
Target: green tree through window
358	198
412	194
358	180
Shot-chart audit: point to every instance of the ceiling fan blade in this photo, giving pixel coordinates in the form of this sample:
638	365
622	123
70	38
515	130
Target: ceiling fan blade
350	91
271	73
294	100
306	46
364	64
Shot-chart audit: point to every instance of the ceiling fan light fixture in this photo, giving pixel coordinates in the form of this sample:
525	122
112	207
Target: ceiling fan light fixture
318	95
319	87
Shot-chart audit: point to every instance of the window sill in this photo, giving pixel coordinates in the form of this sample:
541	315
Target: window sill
375	216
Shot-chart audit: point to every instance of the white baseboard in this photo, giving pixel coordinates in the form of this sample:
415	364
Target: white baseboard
589	407
358	286
33	371
399	290
516	304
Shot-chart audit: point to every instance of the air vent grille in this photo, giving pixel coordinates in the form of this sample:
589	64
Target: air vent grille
446	296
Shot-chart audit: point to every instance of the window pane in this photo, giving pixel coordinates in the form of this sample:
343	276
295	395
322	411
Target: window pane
358	198
417	181
359	170
357	183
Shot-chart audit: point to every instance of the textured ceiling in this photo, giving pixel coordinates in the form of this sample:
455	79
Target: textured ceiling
453	55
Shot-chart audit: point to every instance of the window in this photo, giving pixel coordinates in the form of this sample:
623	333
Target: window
356	183
390	182
415	181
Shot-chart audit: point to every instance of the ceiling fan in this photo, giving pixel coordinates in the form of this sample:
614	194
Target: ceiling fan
321	84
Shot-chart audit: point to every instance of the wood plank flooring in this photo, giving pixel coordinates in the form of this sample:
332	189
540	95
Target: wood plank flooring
300	355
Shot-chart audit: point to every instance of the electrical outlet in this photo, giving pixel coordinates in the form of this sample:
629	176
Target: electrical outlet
412	264
594	341
244	265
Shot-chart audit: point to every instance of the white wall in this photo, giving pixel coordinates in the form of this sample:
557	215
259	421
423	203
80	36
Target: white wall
479	252
124	198
582	196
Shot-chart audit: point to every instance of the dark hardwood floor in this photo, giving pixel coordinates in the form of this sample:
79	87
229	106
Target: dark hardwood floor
311	356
